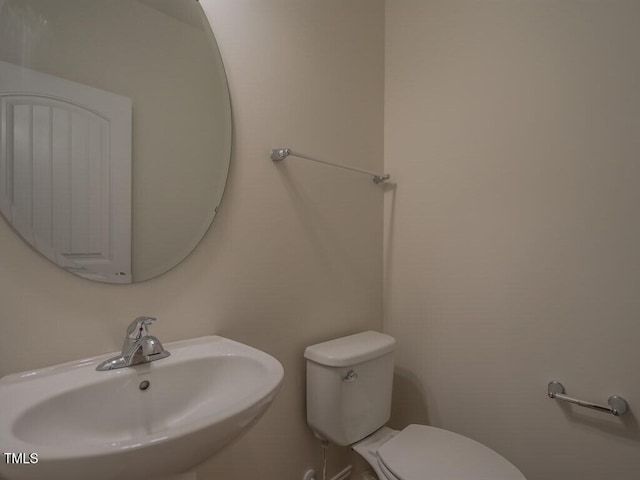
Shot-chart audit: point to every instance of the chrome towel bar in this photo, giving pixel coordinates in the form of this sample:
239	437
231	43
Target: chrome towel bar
279	154
617	405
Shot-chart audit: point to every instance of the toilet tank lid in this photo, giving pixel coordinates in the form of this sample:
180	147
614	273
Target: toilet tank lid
350	350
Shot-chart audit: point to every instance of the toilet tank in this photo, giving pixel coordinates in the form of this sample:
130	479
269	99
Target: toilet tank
349	382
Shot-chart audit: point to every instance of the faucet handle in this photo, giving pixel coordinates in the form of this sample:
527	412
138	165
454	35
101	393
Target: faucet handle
138	329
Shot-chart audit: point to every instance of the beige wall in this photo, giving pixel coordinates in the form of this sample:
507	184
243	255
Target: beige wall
293	256
511	240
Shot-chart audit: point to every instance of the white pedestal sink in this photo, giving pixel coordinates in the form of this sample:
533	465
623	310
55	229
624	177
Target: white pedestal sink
84	424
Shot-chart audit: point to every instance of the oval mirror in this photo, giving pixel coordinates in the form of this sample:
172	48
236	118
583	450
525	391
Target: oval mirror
115	125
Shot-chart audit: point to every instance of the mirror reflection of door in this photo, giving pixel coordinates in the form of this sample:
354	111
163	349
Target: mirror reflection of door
162	55
65	171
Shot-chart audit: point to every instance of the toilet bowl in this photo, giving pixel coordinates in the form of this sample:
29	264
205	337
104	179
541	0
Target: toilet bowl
349	383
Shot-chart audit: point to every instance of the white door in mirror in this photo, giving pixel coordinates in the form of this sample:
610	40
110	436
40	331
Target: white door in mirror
65	174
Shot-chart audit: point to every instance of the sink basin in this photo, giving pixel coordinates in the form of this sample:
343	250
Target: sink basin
85	424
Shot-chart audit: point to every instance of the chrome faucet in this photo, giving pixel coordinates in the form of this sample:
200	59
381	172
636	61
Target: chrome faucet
138	347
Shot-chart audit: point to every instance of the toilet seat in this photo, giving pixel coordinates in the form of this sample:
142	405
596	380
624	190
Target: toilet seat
388	475
420	452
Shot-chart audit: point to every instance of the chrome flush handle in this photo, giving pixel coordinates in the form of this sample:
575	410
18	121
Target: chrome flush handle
351	376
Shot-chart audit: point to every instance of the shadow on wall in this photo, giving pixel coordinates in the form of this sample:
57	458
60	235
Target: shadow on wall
390	189
627	426
409	404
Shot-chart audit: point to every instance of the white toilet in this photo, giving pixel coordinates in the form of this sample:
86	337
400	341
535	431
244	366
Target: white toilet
349	382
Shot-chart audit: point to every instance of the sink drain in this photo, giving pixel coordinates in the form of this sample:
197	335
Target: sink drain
144	385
